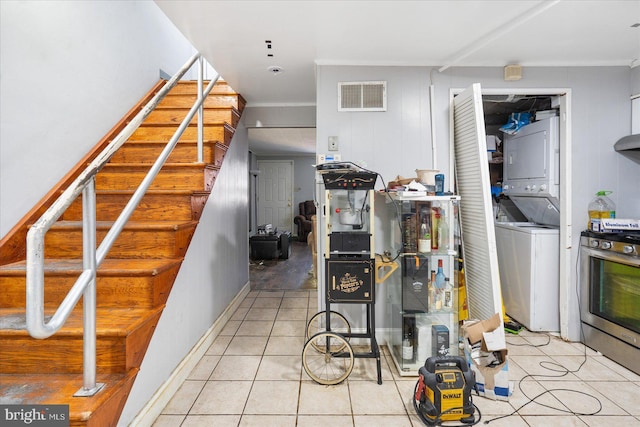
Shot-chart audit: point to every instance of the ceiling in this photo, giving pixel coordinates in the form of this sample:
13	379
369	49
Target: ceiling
237	37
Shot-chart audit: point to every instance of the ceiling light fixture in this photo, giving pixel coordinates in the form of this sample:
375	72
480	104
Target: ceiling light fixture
275	70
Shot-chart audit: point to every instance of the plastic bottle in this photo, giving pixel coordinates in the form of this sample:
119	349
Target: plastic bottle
440	276
600	207
424	241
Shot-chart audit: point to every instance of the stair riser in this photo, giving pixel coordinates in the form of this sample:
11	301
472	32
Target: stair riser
152	207
177	115
164	133
148	152
120	291
167	179
212	101
151	243
64	353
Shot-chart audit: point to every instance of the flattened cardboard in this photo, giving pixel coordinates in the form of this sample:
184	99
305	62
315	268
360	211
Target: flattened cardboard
475	331
493	381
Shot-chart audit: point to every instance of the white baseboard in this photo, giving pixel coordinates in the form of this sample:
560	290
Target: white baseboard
148	414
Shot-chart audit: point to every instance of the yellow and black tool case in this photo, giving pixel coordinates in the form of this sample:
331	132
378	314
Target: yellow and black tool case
443	391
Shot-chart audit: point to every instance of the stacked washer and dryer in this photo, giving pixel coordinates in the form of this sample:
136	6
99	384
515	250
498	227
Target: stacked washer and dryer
528	252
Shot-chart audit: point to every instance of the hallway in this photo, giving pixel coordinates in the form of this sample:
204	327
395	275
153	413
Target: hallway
281	275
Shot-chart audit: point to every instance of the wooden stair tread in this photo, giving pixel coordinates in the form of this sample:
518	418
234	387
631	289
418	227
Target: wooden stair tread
182	141
175	125
131	225
193	165
109	321
187	109
109	267
39	389
157	192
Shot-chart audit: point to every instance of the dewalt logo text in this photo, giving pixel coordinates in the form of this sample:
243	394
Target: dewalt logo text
452	396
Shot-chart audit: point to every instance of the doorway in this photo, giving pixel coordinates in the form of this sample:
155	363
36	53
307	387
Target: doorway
275	194
561	99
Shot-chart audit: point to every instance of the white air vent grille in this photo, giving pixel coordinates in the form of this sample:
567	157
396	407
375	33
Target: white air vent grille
362	96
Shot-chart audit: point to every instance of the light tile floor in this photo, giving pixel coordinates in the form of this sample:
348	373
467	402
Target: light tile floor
252	375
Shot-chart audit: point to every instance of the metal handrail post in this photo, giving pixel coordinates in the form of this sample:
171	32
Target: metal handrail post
200	112
90	387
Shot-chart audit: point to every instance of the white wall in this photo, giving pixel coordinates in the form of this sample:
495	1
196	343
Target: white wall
215	269
398	141
395	142
635	81
69	70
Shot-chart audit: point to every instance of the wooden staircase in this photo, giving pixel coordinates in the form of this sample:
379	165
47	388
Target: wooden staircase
133	283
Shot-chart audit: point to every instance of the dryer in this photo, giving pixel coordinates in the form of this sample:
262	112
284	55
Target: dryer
528	252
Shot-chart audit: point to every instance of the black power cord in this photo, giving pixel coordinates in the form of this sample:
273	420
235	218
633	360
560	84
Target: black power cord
562	370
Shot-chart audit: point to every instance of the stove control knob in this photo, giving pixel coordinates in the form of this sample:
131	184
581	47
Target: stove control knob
594	243
627	249
543	187
606	245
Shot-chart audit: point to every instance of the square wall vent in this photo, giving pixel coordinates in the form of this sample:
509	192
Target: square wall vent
362	96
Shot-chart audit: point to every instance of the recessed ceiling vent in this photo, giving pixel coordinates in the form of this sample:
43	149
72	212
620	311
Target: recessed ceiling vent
362	96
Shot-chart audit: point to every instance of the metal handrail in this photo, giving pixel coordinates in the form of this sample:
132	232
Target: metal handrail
92	256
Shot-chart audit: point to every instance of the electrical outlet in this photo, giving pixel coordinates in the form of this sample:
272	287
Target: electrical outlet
333	143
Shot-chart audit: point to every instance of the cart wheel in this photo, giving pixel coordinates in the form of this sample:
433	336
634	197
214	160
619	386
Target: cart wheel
332	365
318	323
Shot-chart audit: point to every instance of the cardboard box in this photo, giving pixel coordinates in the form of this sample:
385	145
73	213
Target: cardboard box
619	224
487	356
440	340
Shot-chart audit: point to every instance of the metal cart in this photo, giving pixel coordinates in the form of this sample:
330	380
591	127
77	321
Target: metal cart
328	356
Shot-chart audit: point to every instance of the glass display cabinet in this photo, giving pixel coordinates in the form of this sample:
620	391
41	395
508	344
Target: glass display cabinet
422	294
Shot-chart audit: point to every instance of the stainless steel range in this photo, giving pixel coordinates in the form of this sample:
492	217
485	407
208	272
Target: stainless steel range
610	295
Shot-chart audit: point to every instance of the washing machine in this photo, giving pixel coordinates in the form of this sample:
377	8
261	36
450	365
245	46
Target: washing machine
528	259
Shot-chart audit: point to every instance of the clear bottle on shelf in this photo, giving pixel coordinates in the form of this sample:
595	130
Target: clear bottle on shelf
439	287
424	240
443	233
407	348
448	294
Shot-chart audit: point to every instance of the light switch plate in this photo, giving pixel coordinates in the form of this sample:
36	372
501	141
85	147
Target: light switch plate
333	143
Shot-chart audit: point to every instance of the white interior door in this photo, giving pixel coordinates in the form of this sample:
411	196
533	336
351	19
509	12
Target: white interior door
275	193
476	212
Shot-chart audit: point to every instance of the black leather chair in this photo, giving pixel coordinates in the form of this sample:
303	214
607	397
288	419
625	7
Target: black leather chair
303	220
